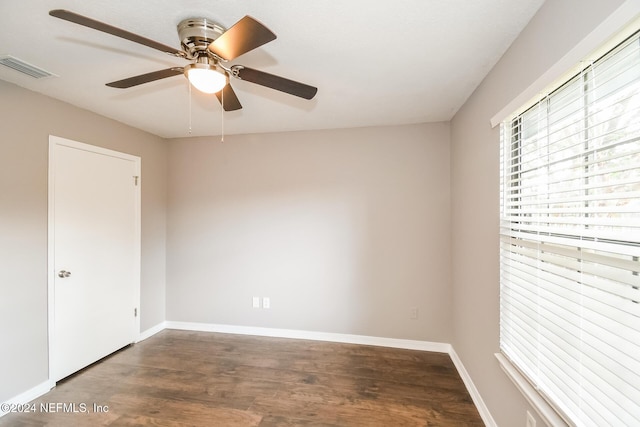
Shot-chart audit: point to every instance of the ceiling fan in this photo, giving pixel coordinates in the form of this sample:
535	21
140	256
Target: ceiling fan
209	47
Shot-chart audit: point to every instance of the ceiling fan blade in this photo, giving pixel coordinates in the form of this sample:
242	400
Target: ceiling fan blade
231	101
274	82
245	35
146	78
109	29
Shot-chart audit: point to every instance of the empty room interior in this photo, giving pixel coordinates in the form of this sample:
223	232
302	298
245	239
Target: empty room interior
326	228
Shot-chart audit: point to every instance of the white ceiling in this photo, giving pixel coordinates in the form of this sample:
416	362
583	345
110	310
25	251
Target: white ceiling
374	62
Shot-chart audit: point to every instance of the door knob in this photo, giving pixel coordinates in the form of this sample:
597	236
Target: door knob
64	273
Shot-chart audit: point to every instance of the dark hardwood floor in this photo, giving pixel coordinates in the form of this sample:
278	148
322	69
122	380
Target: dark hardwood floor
181	378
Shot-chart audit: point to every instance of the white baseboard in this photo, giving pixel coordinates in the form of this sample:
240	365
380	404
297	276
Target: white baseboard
312	335
29	395
473	391
152	331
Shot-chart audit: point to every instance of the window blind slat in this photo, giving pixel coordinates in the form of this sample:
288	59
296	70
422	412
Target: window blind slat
606	259
526	185
518	202
614	281
625	313
603	245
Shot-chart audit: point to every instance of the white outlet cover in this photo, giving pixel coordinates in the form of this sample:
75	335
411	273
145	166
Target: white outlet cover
256	302
266	302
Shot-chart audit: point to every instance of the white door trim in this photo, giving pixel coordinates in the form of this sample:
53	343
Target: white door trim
55	141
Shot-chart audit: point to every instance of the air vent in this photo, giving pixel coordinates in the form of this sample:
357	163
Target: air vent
24	67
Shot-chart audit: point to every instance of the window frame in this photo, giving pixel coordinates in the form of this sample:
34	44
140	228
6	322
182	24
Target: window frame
550	412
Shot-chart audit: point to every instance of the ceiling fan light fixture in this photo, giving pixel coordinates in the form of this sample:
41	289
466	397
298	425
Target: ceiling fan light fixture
205	77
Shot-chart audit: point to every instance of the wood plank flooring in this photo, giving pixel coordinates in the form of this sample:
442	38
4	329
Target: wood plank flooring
183	378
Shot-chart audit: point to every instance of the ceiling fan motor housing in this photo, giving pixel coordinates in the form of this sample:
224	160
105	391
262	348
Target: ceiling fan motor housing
196	34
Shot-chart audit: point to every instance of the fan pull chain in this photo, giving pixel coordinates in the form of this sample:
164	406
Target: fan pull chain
189	84
222	116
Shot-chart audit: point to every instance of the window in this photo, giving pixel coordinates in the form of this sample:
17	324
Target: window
570	242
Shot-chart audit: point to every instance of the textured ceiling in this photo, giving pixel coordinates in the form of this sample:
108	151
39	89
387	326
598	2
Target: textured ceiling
374	62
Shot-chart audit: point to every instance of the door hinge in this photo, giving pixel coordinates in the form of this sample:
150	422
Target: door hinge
135	180
135	312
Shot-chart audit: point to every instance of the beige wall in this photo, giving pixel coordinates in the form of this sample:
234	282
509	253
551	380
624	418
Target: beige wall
345	231
558	27
27	119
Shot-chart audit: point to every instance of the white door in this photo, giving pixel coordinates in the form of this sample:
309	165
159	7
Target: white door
94	253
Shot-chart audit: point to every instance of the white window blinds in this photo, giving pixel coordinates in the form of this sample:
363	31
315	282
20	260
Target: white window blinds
570	242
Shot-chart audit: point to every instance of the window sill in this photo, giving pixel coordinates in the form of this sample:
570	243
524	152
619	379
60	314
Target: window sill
539	404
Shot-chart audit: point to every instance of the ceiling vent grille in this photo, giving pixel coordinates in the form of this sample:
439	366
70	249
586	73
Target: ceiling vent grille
24	67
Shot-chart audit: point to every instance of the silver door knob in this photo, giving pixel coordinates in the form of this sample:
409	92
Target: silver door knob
64	273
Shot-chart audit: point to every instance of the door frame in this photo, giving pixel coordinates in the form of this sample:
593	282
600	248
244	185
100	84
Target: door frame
55	141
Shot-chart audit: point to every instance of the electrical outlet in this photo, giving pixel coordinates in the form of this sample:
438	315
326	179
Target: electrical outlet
266	302
256	302
531	421
413	313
